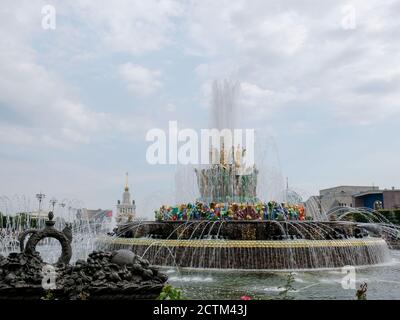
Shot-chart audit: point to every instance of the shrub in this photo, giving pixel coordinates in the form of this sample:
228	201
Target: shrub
388	214
396	214
48	296
170	293
359	217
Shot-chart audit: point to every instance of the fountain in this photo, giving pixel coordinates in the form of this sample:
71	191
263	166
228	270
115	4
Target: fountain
229	227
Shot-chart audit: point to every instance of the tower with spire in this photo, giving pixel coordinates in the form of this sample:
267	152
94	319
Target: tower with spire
126	209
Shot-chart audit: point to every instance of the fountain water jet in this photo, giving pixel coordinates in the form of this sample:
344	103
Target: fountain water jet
240	230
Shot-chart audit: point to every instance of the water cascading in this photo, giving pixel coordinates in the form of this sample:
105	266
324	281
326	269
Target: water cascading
230	225
16	216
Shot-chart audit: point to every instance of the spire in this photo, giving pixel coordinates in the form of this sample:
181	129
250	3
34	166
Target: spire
126	182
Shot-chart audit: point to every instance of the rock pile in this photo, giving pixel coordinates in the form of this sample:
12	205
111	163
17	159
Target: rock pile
112	274
104	275
19	270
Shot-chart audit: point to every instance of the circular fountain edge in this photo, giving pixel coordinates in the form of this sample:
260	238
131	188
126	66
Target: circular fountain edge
244	243
256	254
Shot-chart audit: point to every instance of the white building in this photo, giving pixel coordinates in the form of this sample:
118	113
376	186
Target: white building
126	210
341	196
333	198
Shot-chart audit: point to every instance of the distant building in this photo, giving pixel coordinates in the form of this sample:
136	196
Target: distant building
353	196
372	199
378	199
94	216
38	214
126	210
341	196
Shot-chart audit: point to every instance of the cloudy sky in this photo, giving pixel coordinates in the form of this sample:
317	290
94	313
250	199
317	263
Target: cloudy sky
322	78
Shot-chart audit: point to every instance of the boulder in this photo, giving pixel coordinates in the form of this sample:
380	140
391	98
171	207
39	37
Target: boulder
104	275
123	257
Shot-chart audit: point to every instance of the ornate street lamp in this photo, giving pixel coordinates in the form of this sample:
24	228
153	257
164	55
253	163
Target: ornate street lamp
62	204
40	196
53	202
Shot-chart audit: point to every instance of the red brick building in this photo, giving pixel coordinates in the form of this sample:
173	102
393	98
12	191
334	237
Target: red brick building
391	199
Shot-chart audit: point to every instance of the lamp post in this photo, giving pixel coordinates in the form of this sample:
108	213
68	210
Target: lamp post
69	213
62	204
40	196
53	202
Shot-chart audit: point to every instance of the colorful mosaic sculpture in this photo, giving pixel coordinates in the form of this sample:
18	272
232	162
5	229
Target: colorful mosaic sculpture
228	191
230	211
228	179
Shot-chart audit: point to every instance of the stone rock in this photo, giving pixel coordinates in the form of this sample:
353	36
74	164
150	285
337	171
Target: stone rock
147	274
10	278
163	277
109	274
20	284
137	267
99	275
70	283
154	270
145	263
80	262
128	276
123	257
115	277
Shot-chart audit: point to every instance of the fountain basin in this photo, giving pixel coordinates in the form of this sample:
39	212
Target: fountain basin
256	254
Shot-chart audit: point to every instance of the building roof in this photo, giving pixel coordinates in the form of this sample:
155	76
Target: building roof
366	193
348	186
38	214
96	213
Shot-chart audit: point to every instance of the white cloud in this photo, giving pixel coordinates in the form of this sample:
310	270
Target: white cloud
170	107
259	103
298	52
132	26
15	135
140	80
33	95
254	27
37	105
